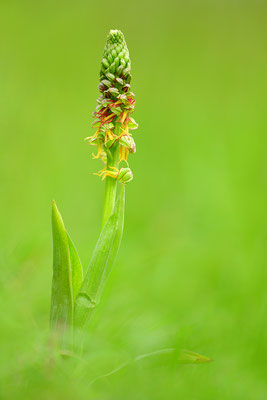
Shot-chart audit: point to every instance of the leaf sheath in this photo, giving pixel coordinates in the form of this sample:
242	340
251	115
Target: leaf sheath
76	269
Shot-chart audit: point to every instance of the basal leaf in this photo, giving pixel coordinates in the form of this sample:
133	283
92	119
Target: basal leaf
76	269
61	313
100	266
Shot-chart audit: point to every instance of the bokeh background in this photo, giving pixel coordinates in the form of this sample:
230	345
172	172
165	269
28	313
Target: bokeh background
191	271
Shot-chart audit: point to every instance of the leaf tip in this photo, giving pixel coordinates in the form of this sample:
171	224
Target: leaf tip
189	357
54	207
56	216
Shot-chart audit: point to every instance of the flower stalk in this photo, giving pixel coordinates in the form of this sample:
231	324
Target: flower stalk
111	183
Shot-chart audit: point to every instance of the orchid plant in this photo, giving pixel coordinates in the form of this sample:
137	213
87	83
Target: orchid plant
74	295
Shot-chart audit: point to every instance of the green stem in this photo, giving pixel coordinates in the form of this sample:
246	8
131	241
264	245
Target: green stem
111	183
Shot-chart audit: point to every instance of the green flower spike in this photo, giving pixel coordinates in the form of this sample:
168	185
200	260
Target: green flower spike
112	122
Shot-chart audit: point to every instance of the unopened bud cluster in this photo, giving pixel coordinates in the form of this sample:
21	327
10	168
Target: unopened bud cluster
115	104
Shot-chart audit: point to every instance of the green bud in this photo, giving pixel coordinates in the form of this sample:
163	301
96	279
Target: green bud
117	62
113	91
128	78
119	70
105	62
114	62
125	175
128	142
110	77
126	87
132	124
101	87
106	82
112	68
120	81
126	72
123	97
104	157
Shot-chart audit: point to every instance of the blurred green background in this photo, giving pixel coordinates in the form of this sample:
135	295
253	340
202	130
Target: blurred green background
191	271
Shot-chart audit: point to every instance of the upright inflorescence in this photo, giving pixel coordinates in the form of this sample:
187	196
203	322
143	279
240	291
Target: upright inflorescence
112	114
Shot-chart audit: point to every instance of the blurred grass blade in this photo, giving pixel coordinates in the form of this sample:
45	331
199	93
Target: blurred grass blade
76	269
189	357
100	266
61	313
184	357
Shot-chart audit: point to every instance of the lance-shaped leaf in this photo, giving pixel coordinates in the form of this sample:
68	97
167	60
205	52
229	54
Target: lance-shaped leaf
100	266
76	269
61	313
67	278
